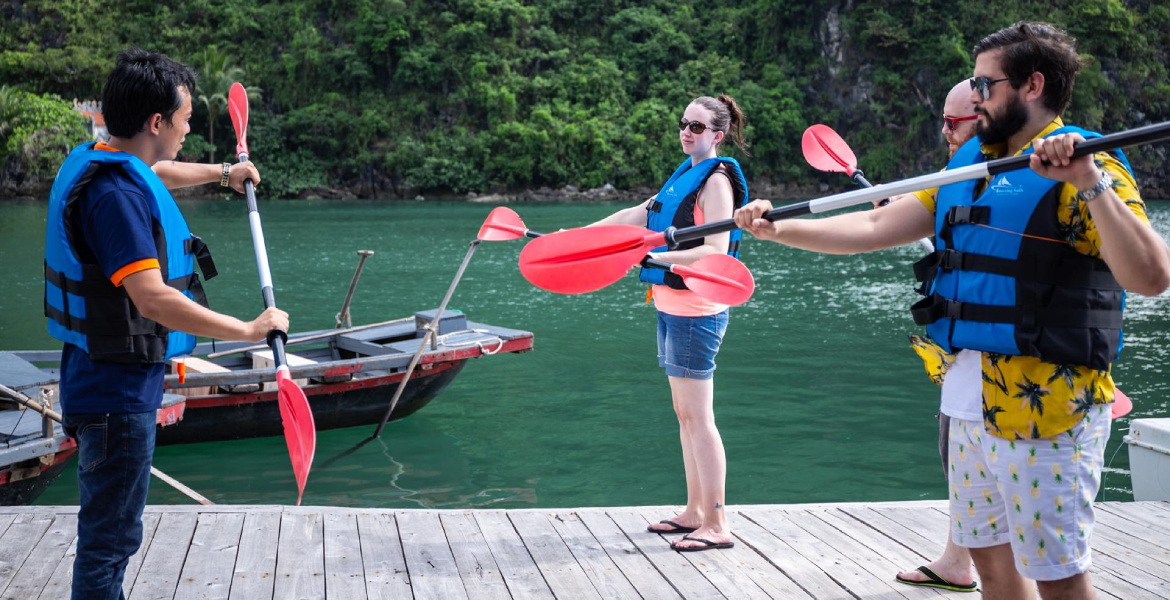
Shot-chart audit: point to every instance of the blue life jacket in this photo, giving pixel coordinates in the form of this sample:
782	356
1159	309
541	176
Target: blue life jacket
1005	277
675	206
83	306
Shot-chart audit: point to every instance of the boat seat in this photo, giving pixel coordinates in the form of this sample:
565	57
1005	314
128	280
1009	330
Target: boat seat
199	365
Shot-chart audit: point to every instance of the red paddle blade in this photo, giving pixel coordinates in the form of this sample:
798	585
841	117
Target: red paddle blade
300	432
585	259
1121	404
826	151
502	224
238	109
718	278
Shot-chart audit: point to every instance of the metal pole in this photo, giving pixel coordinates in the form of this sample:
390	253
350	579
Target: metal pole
431	335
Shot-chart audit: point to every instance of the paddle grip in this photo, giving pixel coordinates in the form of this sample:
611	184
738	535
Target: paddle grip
674	237
1133	137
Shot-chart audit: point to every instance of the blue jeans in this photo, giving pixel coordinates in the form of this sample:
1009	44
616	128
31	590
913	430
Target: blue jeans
113	474
687	345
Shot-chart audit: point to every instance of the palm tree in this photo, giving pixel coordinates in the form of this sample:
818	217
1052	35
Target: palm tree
990	414
216	76
1032	393
1066	372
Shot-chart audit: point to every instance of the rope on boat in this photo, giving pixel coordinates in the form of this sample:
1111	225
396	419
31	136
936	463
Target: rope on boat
55	416
481	344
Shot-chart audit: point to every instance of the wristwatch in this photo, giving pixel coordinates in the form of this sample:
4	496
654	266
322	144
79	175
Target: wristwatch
227	170
1105	183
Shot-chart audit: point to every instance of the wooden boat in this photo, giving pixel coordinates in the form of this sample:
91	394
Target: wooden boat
348	375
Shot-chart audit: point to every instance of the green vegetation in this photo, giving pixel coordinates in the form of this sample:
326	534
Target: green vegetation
36	131
387	97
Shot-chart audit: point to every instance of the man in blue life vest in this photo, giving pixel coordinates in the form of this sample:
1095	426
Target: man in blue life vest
123	295
1029	283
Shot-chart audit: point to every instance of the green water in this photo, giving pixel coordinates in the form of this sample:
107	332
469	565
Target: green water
818	395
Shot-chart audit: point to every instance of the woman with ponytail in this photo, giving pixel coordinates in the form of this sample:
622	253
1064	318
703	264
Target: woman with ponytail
705	187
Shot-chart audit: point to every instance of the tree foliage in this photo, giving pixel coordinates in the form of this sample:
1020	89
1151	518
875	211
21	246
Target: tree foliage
386	96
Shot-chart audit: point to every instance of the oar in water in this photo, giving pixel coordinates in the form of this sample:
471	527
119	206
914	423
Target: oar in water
55	416
826	151
601	255
300	433
718	277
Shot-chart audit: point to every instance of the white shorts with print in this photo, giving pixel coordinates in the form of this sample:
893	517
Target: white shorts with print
1036	495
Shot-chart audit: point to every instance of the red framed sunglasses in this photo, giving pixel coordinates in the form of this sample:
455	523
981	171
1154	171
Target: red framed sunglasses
953	122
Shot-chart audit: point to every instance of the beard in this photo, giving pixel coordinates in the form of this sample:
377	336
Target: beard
1000	127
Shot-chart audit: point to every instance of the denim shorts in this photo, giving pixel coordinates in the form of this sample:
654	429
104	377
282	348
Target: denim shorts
687	345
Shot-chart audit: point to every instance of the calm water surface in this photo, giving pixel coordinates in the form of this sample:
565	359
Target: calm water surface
818	395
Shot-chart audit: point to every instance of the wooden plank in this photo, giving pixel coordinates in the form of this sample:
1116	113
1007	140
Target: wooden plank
742	565
7	519
345	576
1136	531
1139	512
516	565
682	575
846	571
925	547
805	573
1152	584
927	523
552	556
1106	580
871	561
382	560
606	577
723	573
32	578
433	572
61	583
1106	533
481	576
638	570
254	575
149	526
18	542
1152	564
300	557
211	559
163	563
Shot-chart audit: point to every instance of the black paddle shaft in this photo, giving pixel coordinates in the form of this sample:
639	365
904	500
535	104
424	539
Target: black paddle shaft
1122	139
646	262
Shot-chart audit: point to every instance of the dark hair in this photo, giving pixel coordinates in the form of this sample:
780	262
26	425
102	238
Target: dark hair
142	84
726	116
1031	47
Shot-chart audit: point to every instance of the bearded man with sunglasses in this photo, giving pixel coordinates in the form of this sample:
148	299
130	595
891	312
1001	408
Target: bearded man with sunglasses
1030	278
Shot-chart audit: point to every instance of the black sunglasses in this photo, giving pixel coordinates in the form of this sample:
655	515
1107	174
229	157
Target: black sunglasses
983	84
696	127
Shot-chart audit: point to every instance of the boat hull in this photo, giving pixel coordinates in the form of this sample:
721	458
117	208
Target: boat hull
338	405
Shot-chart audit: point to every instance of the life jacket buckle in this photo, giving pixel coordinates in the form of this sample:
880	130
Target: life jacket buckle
967	214
953	310
951	259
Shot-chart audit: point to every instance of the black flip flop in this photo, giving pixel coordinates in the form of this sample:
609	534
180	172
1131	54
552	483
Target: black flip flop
676	528
707	545
935	581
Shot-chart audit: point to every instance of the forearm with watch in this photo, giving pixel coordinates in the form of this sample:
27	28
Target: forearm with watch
1135	253
177	175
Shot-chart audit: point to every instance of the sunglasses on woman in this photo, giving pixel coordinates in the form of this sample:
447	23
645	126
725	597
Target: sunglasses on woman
952	123
983	84
696	127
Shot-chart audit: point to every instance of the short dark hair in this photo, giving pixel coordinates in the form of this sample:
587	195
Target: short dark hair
142	84
1030	47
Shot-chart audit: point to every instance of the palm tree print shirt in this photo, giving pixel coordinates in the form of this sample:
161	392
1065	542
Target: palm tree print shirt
1025	397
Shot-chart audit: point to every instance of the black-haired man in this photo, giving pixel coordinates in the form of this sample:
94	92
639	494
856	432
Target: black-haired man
122	294
1029	279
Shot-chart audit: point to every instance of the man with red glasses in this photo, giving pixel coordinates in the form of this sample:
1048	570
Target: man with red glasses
1029	281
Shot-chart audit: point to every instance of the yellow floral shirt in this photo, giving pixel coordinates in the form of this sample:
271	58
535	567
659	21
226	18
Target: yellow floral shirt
1025	397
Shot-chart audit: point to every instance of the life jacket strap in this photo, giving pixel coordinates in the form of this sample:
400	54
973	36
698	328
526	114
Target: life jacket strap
1078	272
935	307
195	246
105	327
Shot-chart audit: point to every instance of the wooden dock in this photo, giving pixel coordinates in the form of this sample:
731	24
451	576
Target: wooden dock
843	551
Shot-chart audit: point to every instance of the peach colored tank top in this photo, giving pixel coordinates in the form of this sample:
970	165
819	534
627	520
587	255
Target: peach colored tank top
685	303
